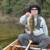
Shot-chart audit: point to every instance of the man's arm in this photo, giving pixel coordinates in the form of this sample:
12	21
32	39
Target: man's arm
23	19
43	28
44	25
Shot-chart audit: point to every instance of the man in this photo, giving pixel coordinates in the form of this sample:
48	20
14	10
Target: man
40	34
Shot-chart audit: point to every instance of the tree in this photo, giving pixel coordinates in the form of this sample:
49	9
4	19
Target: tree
19	7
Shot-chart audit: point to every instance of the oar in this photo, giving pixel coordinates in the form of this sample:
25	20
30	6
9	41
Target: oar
30	41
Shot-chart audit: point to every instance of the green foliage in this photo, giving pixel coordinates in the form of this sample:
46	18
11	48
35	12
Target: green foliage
6	6
46	8
0	48
19	7
16	6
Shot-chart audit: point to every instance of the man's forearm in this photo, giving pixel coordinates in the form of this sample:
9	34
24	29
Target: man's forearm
38	32
23	19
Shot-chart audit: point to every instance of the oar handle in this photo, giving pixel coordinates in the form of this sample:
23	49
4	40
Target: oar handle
30	41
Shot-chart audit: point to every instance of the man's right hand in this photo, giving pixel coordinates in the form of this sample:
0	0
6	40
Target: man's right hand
28	14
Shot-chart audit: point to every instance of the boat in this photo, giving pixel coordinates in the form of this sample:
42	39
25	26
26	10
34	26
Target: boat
15	45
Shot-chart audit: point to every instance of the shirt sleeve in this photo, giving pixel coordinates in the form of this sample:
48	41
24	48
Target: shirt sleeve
23	19
43	28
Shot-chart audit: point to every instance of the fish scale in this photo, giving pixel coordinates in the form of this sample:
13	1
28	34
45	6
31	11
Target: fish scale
31	24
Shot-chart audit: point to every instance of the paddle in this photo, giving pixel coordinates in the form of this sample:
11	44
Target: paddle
30	41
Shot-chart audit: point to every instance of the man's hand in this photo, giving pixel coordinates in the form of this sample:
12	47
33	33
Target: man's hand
28	14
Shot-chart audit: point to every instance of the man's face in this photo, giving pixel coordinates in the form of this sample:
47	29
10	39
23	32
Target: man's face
34	11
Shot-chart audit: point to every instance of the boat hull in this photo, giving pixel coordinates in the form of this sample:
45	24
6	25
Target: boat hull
16	45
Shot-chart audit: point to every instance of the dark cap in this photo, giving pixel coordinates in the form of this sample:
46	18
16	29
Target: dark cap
35	6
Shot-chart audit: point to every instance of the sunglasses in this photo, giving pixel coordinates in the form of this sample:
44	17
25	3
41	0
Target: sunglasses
34	9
